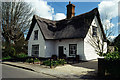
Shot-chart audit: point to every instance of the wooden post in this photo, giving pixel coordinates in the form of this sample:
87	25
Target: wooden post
50	63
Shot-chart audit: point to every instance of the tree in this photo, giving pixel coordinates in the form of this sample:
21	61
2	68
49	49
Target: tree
107	25
16	18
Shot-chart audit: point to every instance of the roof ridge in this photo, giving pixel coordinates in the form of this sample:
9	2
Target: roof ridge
95	9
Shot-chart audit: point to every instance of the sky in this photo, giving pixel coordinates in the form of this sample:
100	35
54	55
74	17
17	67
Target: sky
57	11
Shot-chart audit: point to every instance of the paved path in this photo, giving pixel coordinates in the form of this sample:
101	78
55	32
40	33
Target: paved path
81	70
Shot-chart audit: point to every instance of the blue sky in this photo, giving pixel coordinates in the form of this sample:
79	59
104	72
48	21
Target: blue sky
57	10
80	7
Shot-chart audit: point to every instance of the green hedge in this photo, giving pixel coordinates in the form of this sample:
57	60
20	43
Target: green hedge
112	63
54	63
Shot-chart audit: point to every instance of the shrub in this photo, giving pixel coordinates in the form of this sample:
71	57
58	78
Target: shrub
9	51
112	56
29	60
36	60
47	62
61	61
4	58
54	63
12	52
21	55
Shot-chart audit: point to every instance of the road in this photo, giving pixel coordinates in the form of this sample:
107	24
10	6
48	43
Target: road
14	72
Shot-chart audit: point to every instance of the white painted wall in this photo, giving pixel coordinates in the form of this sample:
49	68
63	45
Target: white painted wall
40	41
89	50
53	45
50	48
66	42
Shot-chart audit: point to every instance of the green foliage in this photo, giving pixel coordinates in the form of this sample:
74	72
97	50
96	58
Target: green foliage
30	60
21	55
36	60
112	56
54	63
116	48
117	42
21	46
9	51
12	52
61	61
7	57
47	62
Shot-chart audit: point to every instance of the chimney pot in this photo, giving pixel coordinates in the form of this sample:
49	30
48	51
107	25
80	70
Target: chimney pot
69	2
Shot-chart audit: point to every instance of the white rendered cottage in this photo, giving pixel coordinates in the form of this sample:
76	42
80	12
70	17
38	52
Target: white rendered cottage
71	36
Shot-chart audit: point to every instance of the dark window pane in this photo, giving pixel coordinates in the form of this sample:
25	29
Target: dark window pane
72	49
94	31
36	35
35	50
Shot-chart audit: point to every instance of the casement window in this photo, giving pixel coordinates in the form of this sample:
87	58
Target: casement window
36	35
94	29
72	49
35	50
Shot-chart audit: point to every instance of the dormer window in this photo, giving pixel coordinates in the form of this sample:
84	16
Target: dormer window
94	29
36	35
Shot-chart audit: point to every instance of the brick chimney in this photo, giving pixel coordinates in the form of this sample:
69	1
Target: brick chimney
70	10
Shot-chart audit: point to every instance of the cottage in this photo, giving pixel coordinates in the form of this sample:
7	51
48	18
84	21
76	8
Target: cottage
70	36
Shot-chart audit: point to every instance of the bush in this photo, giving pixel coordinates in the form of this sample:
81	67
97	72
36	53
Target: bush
61	61
21	55
36	60
47	62
30	60
9	51
112	63
4	58
54	63
112	56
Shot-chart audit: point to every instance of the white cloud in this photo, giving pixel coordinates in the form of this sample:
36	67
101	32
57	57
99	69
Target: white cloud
44	10
108	10
59	16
